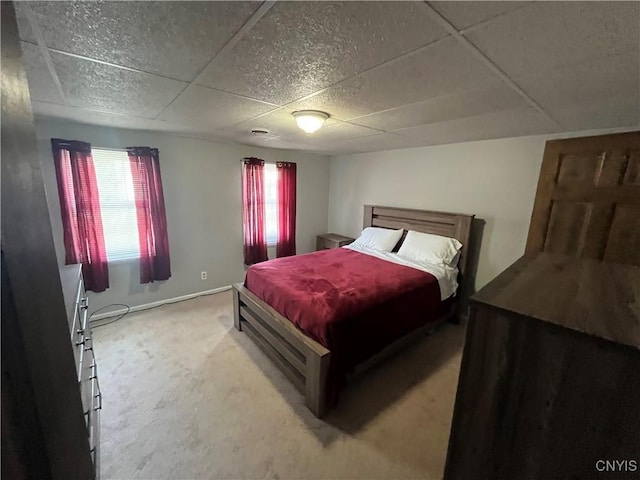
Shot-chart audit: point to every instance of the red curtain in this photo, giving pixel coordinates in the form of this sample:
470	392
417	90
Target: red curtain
286	245
80	211
152	217
253	211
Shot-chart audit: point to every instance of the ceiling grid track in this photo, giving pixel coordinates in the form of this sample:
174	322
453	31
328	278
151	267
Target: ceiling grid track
97	110
476	26
45	52
110	64
476	52
242	31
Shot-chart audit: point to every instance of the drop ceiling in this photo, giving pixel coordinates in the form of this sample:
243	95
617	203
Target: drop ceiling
390	74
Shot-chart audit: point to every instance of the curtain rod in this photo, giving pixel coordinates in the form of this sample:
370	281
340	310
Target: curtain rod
109	148
268	161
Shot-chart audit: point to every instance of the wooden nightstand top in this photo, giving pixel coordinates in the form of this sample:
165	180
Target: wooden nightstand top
331	240
334	237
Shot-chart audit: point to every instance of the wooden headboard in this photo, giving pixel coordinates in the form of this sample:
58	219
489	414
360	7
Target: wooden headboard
454	225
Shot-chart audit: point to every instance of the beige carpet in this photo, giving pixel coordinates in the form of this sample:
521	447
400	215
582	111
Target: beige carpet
188	396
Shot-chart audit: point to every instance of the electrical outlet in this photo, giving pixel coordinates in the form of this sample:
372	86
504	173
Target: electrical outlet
203	275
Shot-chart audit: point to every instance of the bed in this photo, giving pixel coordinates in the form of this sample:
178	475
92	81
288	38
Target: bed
375	305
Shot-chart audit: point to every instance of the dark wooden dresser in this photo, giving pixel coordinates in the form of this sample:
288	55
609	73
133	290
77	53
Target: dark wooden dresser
550	379
76	304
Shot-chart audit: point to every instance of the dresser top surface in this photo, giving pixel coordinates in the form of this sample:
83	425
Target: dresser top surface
70	277
593	297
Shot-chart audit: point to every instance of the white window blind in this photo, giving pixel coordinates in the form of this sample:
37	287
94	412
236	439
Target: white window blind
117	204
271	202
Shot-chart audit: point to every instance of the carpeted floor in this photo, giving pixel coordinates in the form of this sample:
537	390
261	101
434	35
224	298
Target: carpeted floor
188	396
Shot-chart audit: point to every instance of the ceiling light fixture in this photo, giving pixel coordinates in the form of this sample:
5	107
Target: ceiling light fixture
310	120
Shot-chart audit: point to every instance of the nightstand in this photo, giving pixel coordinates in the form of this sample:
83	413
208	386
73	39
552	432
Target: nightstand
332	240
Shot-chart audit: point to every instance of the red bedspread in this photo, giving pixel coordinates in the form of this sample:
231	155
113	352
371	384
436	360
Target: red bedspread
353	304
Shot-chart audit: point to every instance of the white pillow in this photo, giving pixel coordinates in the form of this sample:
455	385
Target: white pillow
431	249
376	238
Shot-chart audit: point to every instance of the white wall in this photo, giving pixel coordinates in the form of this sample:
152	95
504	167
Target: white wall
202	191
495	180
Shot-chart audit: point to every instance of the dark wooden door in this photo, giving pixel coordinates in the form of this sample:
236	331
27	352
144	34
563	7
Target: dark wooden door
588	199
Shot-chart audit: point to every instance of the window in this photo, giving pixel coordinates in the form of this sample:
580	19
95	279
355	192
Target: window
117	204
112	208
268	209
271	203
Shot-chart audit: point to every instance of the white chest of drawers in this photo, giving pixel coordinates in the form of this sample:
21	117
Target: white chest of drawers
77	308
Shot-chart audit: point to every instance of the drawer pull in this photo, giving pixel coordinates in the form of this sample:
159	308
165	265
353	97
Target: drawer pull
84	303
99	394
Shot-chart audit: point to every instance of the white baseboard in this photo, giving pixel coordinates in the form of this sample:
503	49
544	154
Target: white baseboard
145	306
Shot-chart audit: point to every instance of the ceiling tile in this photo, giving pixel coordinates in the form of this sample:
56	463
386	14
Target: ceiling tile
175	39
332	133
372	143
81	115
24	27
203	107
443	68
102	87
246	137
448	107
508	123
465	14
618	111
276	142
550	35
298	48
588	84
279	123
41	86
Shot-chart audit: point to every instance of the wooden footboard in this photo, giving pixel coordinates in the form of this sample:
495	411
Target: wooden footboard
304	361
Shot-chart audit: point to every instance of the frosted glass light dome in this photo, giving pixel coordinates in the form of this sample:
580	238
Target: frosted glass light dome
310	120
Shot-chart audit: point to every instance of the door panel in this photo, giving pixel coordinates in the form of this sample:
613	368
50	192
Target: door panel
588	199
624	237
578	169
632	173
567	227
